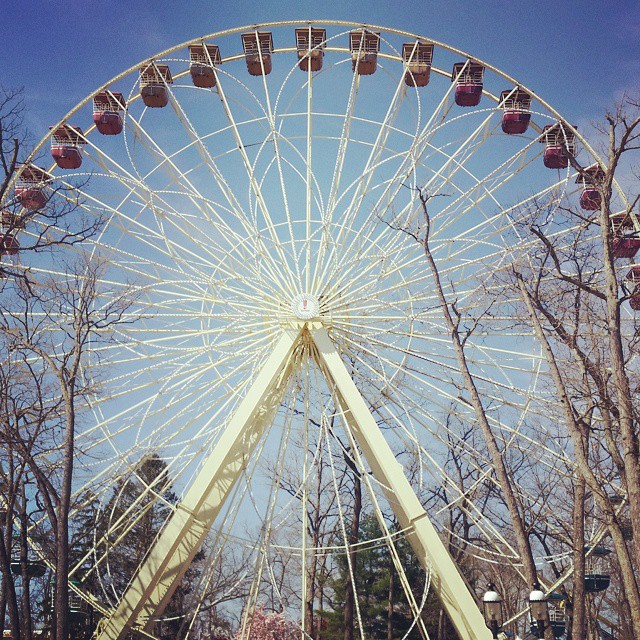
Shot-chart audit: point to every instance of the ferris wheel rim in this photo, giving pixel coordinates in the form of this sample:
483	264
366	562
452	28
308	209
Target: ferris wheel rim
266	173
340	23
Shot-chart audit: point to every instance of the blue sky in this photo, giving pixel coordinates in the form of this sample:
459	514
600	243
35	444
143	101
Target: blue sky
578	55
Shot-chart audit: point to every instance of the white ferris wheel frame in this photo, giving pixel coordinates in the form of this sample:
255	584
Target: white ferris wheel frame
183	534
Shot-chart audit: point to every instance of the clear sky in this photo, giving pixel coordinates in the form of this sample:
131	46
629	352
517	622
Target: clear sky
577	54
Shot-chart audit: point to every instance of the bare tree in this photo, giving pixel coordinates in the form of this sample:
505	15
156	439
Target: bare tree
46	327
589	338
51	326
321	512
459	330
27	228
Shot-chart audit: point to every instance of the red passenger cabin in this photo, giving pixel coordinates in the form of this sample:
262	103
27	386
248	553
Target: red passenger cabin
468	77
11	223
626	247
634	284
258	47
66	143
30	188
590	199
364	46
9	245
621	224
418	57
154	82
626	240
204	57
559	142
107	112
310	44
11	220
517	111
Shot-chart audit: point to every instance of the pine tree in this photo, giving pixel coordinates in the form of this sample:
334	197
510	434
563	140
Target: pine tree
144	498
384	609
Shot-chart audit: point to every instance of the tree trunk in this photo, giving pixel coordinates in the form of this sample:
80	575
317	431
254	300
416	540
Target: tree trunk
350	586
390	604
495	454
11	597
3	601
310	596
320	627
441	624
24	568
624	402
578	595
61	595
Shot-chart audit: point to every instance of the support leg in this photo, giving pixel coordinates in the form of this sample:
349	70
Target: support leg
170	557
427	545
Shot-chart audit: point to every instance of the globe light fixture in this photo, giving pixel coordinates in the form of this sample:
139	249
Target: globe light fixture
492	607
539	609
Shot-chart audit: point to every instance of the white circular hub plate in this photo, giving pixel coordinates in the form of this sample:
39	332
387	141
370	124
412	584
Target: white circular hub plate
305	306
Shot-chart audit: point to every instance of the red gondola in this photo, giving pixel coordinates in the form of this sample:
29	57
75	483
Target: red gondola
633	275
310	44
555	157
590	199
559	142
590	178
9	244
364	46
418	57
258	47
517	115
107	112
626	242
12	220
31	198
30	188
621	223
634	279
204	57
154	80
66	143
625	247
12	223
468	77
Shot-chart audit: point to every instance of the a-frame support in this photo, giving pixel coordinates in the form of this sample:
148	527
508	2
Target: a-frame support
160	574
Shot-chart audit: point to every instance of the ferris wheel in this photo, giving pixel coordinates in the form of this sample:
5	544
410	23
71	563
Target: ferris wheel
263	193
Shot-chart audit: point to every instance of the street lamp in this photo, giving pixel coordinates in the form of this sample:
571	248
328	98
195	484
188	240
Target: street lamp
538	606
492	604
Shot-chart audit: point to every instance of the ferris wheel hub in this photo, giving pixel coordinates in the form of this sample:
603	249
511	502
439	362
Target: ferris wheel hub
305	306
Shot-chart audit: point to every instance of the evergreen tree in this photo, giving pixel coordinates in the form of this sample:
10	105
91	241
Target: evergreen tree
128	526
385	611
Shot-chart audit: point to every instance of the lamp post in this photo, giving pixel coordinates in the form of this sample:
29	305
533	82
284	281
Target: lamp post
538	606
492	605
